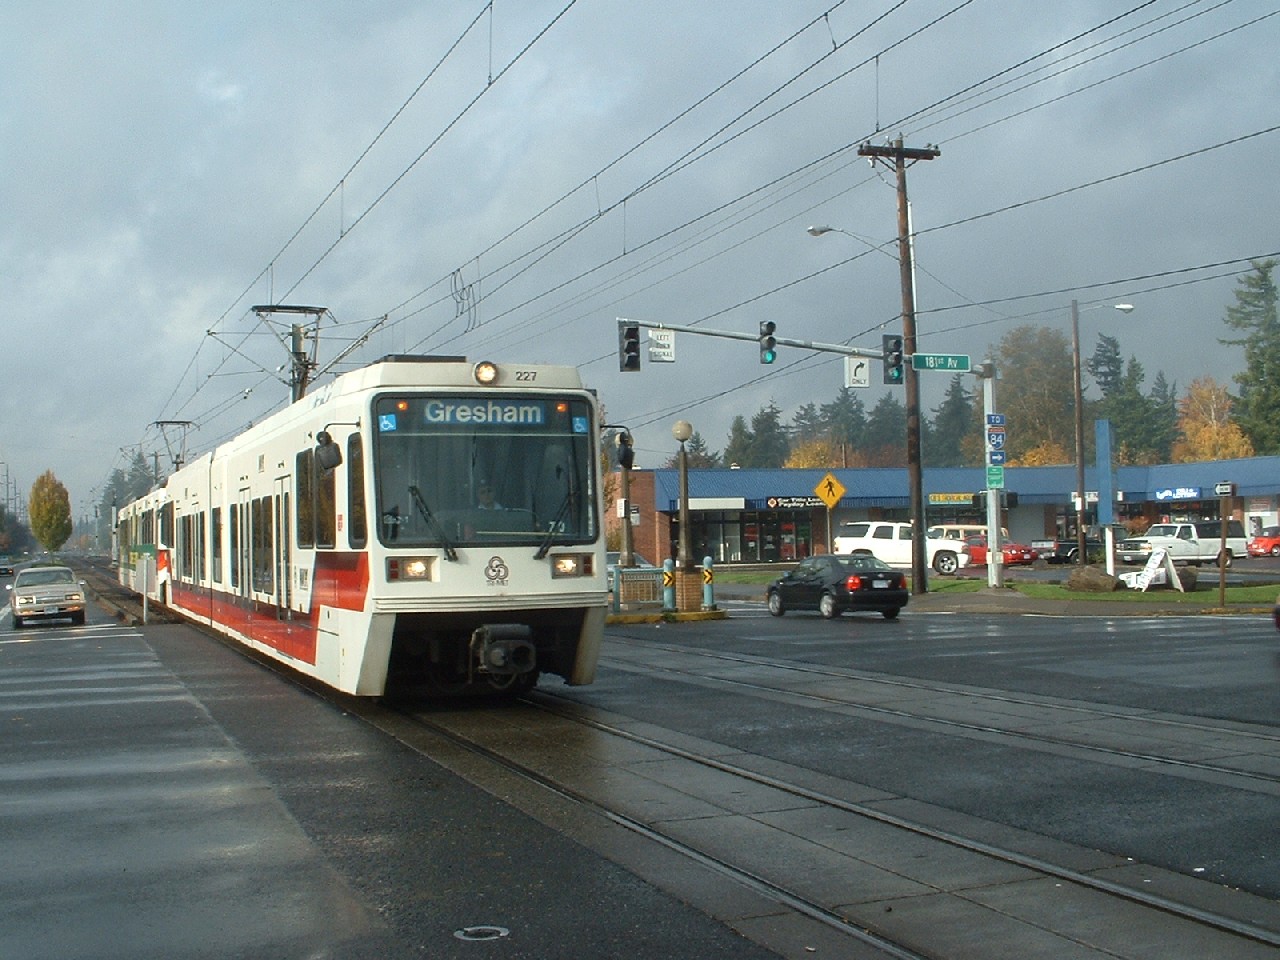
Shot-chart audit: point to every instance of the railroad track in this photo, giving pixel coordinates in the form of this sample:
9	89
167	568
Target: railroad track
1248	754
837	858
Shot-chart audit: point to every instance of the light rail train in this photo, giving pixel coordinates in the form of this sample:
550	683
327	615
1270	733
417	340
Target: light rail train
421	520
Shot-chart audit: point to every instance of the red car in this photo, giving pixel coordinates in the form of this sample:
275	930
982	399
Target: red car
1014	553
1266	543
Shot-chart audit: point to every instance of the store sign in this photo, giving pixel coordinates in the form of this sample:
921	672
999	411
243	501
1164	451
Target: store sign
1178	493
793	503
964	499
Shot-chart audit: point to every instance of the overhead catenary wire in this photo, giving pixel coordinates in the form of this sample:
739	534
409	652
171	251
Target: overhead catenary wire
579	298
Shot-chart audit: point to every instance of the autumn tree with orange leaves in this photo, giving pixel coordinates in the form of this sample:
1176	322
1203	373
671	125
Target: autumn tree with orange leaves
1205	428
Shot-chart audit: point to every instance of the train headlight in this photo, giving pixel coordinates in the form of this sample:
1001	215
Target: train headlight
572	565
410	568
485	372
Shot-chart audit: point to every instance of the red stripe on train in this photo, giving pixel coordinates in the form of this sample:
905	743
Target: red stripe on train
340	581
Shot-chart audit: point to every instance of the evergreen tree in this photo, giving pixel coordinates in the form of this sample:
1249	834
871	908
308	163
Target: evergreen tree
942	443
737	452
1163	408
699	454
885	439
1257	410
1130	415
845	419
142	478
808	424
1105	366
769	444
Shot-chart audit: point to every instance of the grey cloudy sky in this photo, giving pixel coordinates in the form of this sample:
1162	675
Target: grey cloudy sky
169	164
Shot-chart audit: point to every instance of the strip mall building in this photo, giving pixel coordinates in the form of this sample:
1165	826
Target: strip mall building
778	516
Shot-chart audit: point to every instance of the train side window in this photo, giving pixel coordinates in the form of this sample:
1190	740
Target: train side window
263	546
202	520
357	526
233	532
325	509
215	540
304	475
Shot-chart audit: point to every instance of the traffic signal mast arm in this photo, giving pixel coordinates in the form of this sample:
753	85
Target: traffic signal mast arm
755	337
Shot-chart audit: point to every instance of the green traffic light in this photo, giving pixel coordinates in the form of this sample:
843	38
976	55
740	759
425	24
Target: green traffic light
768	356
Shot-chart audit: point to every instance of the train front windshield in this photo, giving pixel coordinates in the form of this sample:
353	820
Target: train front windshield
484	469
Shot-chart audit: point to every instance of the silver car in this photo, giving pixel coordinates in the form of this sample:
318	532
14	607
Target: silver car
46	593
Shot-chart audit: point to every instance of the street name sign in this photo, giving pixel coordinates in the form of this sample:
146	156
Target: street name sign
949	362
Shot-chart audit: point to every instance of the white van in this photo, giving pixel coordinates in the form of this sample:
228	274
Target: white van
963	531
891	542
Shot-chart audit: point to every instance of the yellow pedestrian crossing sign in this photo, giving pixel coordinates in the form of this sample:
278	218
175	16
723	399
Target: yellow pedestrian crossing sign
829	490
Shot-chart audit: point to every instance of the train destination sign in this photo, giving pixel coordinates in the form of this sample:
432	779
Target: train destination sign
950	362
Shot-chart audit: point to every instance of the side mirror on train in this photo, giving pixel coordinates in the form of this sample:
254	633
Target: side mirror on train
328	453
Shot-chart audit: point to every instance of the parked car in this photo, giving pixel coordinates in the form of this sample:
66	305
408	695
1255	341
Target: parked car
1066	551
832	584
1014	553
891	542
1265	544
46	593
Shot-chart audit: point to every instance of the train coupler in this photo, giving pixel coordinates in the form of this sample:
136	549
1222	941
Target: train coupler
504	649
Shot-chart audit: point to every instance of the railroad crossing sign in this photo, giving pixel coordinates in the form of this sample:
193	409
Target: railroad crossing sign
829	490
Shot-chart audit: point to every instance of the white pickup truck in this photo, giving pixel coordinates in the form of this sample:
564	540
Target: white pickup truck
1191	542
891	542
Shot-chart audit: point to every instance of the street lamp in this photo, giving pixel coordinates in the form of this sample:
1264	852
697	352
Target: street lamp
1082	557
682	431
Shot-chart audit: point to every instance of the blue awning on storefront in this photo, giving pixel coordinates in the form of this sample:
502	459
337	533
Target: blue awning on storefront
888	487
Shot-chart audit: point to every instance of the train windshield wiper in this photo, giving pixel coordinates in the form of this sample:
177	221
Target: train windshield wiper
449	552
558	520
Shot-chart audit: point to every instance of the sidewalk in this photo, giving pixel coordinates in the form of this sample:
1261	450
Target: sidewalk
1006	600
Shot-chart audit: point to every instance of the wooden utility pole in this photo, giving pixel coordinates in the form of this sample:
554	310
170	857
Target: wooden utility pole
896	156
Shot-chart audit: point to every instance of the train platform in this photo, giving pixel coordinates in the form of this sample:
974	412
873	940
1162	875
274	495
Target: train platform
163	797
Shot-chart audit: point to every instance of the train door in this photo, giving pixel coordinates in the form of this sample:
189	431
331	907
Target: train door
241	529
284	534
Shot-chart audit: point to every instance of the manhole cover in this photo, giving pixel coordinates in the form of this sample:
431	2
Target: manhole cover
481	933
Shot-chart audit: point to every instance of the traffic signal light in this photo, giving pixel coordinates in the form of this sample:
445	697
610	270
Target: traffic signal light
768	343
629	347
893	371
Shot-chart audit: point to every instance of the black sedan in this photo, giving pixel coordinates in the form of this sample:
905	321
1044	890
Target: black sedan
833	584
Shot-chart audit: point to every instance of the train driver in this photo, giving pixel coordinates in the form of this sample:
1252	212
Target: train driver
484	497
